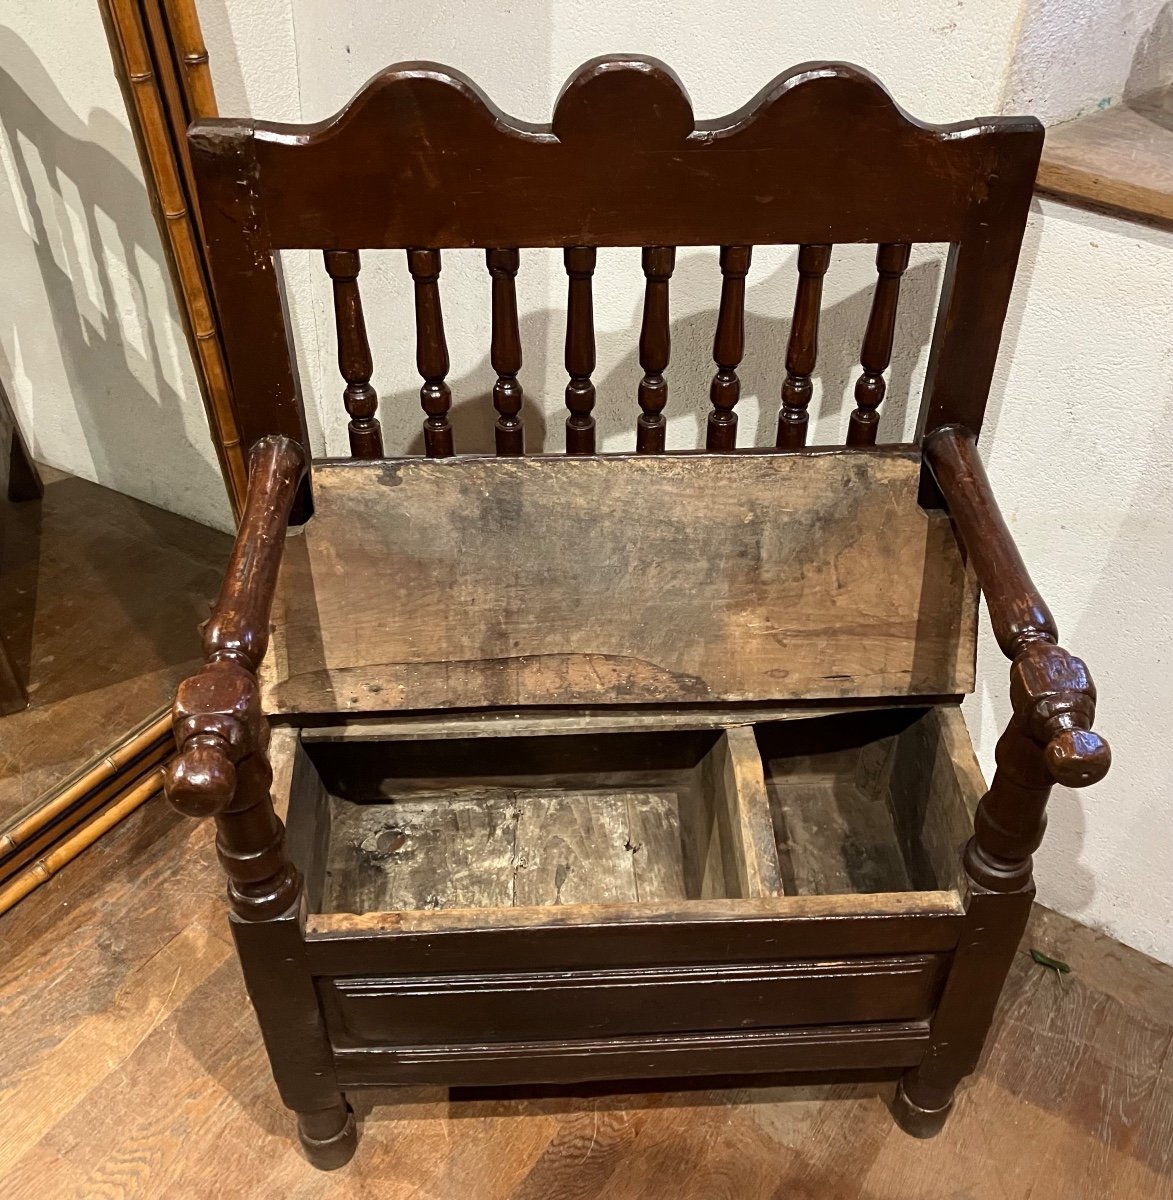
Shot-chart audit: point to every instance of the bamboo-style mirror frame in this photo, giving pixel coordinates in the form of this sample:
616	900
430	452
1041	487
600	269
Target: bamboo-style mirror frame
162	67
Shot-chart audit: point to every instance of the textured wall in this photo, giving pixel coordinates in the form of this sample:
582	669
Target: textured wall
1076	56
1077	448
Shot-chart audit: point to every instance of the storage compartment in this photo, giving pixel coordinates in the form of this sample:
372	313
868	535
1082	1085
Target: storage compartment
870	801
585	812
502	822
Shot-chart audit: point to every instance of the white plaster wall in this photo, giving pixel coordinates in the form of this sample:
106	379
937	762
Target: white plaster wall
91	349
1077	447
1078	56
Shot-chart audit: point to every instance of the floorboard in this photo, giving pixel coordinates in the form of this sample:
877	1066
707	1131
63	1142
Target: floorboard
101	597
131	1067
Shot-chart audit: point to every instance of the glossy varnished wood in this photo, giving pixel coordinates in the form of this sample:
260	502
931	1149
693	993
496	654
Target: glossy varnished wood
623	162
891	263
728	349
655	342
431	352
803	347
506	351
354	355
580	350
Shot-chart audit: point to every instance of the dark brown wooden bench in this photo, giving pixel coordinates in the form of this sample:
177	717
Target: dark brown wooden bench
633	765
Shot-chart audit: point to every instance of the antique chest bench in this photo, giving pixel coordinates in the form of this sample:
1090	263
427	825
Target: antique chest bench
636	765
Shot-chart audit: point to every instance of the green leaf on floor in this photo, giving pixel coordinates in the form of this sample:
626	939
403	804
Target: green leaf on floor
1055	964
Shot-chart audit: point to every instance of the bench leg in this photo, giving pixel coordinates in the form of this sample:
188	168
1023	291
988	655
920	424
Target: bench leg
328	1136
272	957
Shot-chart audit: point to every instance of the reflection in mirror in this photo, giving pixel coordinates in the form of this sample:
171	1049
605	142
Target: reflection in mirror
105	578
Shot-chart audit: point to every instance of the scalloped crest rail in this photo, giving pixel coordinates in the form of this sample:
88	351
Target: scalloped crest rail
821	155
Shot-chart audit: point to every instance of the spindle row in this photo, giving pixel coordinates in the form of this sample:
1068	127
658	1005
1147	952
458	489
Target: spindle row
360	399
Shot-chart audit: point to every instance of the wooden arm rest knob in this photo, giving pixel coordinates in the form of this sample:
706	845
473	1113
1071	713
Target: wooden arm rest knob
217	721
1078	757
201	782
1055	700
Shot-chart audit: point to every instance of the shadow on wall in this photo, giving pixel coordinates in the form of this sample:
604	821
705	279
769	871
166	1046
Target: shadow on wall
1151	71
690	371
88	220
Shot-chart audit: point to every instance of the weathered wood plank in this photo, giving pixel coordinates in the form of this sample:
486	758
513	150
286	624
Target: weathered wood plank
450	851
933	793
654	837
423	585
734	771
574	849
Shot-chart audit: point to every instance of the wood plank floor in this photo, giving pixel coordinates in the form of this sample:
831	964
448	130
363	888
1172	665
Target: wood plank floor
101	596
130	1066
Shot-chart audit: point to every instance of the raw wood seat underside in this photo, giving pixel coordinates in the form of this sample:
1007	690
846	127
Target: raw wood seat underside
425	584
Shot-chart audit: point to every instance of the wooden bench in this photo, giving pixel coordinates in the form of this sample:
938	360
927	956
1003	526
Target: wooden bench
635	765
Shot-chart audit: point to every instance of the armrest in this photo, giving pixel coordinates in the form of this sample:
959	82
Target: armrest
1052	691
217	716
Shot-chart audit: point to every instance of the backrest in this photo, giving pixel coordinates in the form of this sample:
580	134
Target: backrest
422	161
724	577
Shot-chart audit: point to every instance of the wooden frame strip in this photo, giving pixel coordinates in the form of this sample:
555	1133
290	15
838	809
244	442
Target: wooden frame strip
147	74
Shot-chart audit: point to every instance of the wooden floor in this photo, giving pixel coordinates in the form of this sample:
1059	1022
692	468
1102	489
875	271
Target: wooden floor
100	600
131	1066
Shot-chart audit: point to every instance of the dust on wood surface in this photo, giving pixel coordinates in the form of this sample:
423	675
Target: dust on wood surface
424	584
504	847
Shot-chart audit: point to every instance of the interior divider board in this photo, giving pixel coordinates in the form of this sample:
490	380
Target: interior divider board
733	773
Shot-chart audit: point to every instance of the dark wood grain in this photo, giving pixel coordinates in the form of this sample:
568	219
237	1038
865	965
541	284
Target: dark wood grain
505	355
891	263
623	162
728	349
431	352
580	350
1048	740
223	767
655	341
354	355
803	348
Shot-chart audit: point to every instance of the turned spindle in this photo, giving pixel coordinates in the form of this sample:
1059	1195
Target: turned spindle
655	344
505	354
580	350
354	355
803	348
728	349
891	263
431	352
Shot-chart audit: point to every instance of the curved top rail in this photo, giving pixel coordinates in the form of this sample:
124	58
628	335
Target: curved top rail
421	156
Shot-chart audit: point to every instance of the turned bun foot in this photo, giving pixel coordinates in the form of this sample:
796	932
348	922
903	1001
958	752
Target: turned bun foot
915	1120
329	1138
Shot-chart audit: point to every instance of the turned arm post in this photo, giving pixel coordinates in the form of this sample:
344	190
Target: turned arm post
1049	738
223	770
